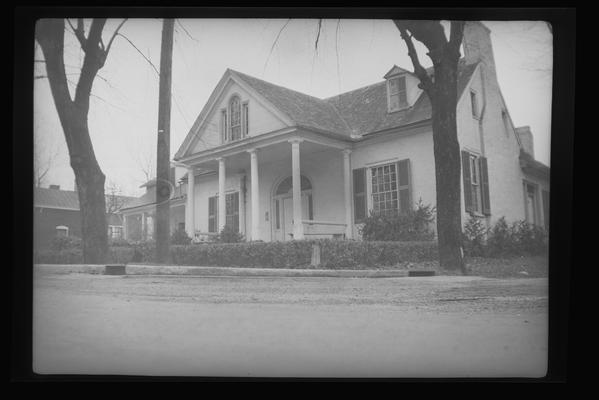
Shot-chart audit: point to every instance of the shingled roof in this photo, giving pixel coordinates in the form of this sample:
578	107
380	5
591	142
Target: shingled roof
61	199
357	112
149	198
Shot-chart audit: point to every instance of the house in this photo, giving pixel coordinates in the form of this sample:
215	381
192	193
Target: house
139	213
277	164
57	213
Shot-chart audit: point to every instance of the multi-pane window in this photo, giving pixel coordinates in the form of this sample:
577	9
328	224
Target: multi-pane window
476	184
397	93
231	214
115	232
384	189
531	203
235	110
223	126
246	119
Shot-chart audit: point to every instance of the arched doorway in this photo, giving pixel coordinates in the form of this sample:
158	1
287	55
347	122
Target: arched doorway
282	220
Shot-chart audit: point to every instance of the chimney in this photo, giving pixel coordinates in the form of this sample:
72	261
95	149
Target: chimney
526	139
477	45
55	187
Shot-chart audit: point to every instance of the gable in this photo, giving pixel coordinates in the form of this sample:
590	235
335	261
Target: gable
261	118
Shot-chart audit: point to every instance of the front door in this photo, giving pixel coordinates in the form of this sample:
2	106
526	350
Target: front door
286	216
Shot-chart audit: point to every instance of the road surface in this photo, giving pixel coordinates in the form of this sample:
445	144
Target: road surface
280	327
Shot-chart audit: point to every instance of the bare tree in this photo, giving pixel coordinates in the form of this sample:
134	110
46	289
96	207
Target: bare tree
73	115
114	199
43	161
442	88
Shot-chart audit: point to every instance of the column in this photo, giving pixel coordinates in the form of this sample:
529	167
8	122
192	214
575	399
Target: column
189	206
298	227
347	193
222	205
255	189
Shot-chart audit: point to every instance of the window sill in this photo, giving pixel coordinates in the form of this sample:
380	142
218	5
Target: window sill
477	214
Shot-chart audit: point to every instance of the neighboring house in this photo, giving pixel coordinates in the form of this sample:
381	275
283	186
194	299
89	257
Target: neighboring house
57	213
277	164
139	213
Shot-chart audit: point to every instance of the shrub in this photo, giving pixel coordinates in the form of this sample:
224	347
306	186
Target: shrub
528	238
413	225
60	243
118	242
229	235
500	241
475	234
144	251
179	236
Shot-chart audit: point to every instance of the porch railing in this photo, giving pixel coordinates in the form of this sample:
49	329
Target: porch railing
323	228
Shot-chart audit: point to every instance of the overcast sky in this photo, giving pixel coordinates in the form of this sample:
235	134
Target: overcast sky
354	53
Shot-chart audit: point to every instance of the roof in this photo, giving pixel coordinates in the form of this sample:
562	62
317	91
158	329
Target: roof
61	199
533	167
306	111
149	198
356	112
359	111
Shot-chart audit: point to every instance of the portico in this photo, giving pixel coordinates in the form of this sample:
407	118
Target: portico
220	180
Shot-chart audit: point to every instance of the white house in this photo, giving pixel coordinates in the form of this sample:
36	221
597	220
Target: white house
277	164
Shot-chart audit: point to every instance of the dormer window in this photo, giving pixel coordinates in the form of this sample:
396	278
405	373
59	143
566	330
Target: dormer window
396	93
234	120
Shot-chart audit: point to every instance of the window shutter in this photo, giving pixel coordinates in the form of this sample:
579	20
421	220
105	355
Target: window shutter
467	183
404	188
485	186
232	210
359	194
212	214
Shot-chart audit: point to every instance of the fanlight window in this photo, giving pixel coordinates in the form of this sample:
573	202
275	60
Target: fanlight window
287	184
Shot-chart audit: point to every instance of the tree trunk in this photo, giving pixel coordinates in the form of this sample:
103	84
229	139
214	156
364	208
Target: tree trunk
163	184
447	166
441	89
73	118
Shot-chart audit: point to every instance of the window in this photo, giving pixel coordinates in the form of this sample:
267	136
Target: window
474	103
235	112
531	203
232	207
476	183
246	119
390	188
397	93
115	232
545	195
223	125
62	231
231	214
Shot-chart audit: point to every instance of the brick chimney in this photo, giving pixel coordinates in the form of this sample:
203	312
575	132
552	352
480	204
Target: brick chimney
477	46
55	187
526	139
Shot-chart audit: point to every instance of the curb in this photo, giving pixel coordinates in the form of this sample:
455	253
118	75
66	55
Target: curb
136	270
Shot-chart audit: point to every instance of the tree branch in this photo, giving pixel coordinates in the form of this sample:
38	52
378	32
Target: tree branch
93	61
113	36
275	43
79	32
140	52
419	70
456	35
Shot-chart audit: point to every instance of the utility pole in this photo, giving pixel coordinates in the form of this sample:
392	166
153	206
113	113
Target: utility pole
163	184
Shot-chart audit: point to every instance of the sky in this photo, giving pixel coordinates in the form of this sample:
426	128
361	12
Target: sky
123	114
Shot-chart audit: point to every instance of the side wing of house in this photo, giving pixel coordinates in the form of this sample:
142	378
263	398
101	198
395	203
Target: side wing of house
492	177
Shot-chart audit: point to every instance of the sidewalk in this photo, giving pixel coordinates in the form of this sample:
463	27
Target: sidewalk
136	269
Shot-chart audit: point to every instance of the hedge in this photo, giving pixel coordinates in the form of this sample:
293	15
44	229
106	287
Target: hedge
118	255
335	254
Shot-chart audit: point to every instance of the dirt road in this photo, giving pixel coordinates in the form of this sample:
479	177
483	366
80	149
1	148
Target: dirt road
341	327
